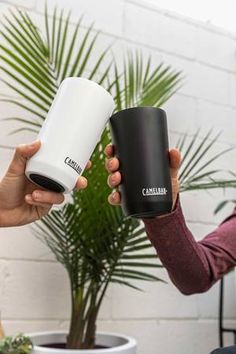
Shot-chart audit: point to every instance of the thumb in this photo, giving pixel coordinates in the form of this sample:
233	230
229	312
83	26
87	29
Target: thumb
22	153
175	160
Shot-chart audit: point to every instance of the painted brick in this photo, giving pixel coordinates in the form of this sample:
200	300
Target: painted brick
37	290
204	206
107	16
181	113
28	4
232	90
211	84
199	231
9	110
5	158
159	300
20	243
159	31
221	118
215	49
168	336
202	81
208	303
13	327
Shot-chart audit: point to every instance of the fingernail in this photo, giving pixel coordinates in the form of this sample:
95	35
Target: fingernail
32	145
110	163
28	197
113	177
83	179
37	195
83	182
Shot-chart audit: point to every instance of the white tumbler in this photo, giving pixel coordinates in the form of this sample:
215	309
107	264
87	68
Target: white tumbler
69	134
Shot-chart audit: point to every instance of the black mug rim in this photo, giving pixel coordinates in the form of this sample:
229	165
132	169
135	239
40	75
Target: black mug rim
138	108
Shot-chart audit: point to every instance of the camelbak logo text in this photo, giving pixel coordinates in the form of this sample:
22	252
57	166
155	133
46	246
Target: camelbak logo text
154	191
73	164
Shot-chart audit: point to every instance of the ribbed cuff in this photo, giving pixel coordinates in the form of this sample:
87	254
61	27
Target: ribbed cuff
160	221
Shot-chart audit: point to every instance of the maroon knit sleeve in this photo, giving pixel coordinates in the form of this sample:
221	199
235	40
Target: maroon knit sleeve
192	266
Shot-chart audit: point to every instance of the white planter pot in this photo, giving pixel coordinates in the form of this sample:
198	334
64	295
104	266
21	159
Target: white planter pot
117	343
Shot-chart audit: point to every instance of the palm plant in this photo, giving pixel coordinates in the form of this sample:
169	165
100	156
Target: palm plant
195	171
94	242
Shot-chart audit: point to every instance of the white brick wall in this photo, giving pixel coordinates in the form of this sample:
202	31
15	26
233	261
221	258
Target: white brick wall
160	318
27	4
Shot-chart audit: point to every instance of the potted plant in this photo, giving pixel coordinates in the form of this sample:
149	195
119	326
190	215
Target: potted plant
19	344
92	240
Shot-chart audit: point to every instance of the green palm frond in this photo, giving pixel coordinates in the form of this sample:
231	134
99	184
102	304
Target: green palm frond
139	85
222	204
196	172
36	66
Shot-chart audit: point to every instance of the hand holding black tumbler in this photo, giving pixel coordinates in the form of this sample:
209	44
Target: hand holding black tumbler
140	140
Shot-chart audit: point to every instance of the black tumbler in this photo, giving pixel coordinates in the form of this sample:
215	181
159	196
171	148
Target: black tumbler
140	140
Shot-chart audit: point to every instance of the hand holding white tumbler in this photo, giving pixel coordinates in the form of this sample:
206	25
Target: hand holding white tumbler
69	134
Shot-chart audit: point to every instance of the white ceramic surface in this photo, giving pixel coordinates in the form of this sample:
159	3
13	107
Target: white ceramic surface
117	343
71	131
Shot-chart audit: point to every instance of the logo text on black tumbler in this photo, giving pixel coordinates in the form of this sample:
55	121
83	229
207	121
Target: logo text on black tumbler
154	191
73	164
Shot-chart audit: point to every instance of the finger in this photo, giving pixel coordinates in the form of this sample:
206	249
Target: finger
22	153
81	183
31	201
114	179
89	165
112	164
114	198
175	159
109	150
47	197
